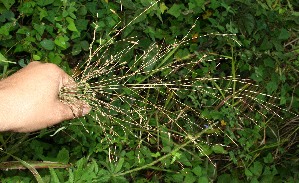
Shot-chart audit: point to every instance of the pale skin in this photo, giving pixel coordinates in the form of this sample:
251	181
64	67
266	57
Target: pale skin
29	99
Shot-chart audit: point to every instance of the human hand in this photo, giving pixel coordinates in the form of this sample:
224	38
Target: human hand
29	99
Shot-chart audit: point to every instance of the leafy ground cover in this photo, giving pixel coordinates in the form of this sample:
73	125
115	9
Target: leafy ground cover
200	91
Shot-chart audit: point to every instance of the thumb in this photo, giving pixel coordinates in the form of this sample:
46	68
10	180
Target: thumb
71	107
72	110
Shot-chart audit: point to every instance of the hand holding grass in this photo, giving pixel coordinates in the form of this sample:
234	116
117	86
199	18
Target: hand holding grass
30	101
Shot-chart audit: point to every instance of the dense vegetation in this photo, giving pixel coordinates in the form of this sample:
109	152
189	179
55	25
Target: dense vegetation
260	147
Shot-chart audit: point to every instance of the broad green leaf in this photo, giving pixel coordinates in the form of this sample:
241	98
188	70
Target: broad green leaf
120	179
2	8
54	177
269	3
111	22
269	62
176	155
27	7
192	5
71	9
61	41
22	63
71	26
76	49
81	24
247	22
47	44
104	178
182	54
119	165
88	173
267	179
6	15
8	3
268	158
197	171
84	45
40	28
224	178
178	177
259	74
147	3
163	7
295	13
271	86
215	4
219	149
128	4
75	34
82	11
42	13
205	150
71	176
184	160
277	44
156	155
190	178
266	44
36	57
80	163
92	7
175	10
65	13
248	173
166	149
284	34
140	16
203	180
5	29
63	156
257	168
199	3
55	58
44	2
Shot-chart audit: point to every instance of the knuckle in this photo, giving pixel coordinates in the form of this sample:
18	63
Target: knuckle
52	67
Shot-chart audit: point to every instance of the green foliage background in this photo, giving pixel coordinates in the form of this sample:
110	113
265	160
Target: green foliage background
60	31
